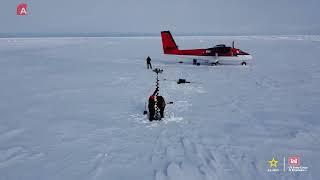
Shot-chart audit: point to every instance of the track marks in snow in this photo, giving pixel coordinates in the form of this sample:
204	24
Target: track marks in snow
160	176
180	158
227	169
16	154
99	161
143	119
10	134
11	155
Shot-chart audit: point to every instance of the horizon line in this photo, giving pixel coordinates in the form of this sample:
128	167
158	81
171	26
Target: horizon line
130	34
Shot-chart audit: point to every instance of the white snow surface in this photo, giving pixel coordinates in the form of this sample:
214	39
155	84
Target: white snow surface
71	108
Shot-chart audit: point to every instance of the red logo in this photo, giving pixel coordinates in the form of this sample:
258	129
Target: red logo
22	9
294	161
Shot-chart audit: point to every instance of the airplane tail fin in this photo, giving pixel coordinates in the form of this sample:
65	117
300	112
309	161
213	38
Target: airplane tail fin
168	43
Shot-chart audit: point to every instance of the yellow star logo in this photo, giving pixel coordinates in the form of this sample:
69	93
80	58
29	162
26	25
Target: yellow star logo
273	163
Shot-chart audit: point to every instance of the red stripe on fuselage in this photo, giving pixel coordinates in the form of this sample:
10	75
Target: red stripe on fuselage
206	52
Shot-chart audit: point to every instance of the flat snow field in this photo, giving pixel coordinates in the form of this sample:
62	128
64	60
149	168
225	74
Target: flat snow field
72	109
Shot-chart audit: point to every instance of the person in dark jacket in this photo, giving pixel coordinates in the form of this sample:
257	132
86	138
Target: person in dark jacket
149	62
151	105
161	105
151	108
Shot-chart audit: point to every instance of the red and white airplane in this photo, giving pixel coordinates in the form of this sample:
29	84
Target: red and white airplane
219	54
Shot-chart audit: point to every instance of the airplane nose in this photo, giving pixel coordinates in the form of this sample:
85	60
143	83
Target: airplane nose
246	57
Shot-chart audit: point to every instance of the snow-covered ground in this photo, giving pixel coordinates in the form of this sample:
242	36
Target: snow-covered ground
71	108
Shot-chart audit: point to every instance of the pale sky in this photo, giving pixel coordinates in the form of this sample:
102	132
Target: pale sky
152	16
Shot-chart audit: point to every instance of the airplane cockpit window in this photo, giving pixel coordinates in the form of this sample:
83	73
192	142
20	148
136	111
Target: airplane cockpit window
220	45
221	50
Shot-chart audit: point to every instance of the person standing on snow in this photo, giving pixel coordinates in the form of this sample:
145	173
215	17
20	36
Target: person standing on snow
149	62
151	105
161	105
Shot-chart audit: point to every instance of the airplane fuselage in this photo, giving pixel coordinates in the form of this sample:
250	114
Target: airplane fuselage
225	55
218	54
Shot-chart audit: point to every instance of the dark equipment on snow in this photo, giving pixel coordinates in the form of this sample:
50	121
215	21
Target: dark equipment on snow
182	81
157	70
145	109
179	81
